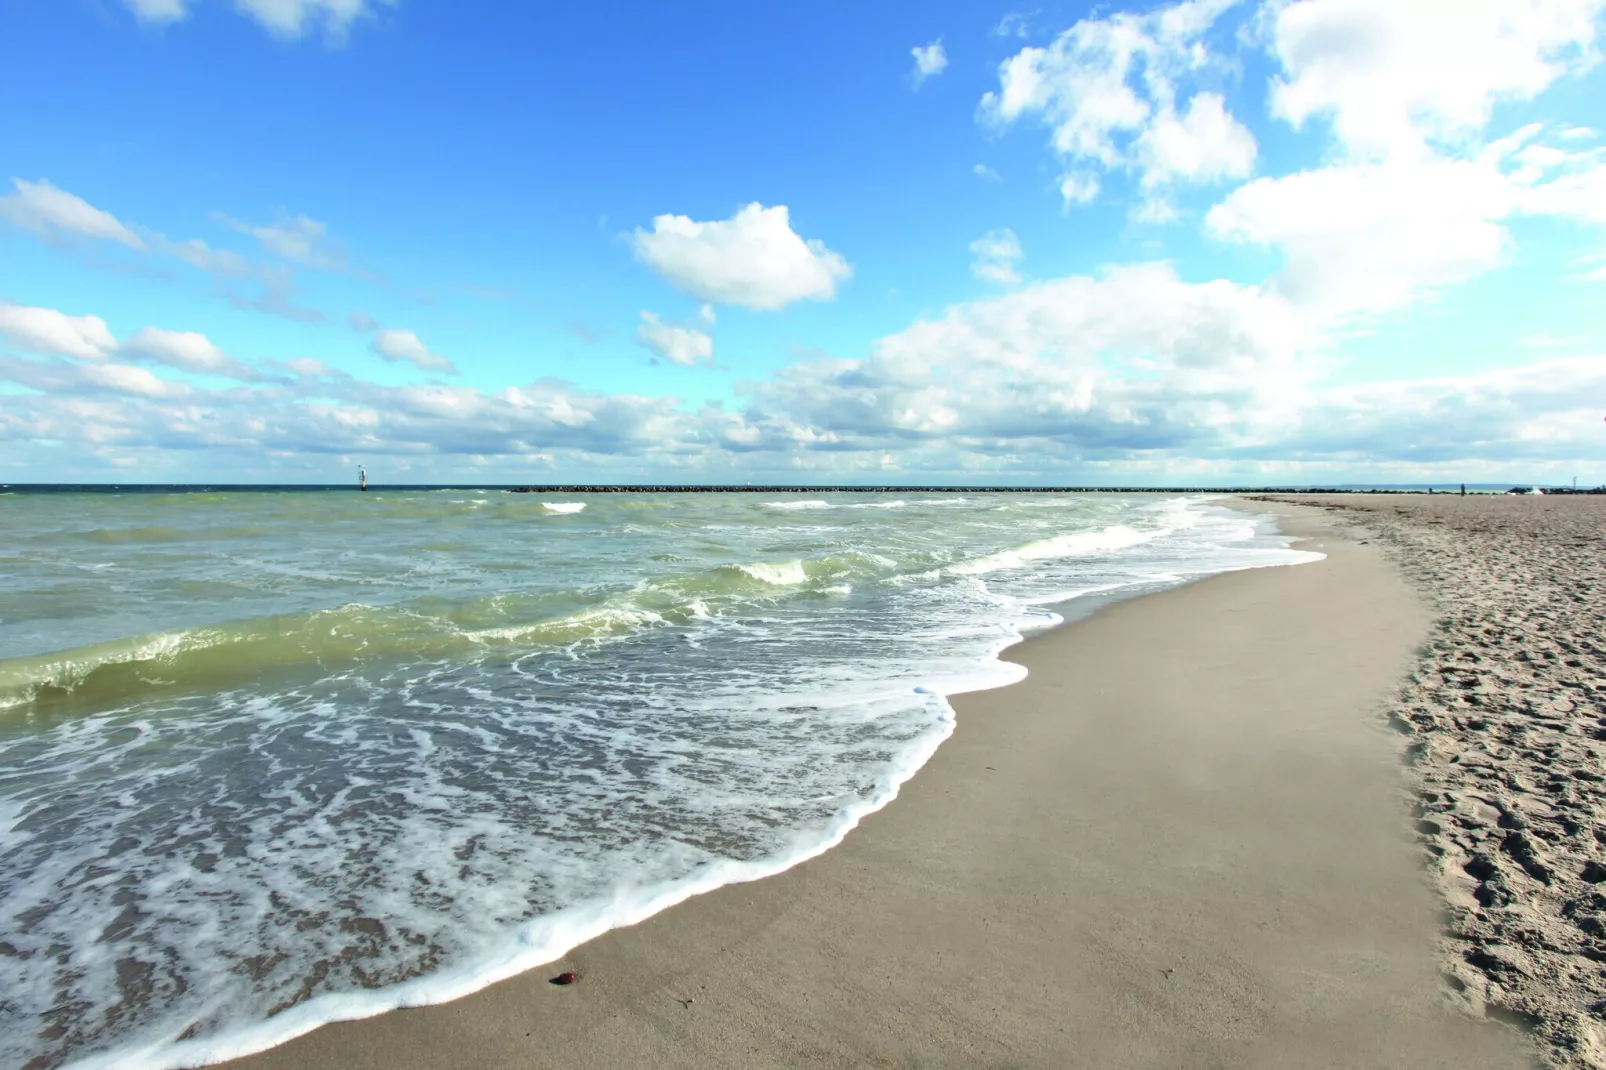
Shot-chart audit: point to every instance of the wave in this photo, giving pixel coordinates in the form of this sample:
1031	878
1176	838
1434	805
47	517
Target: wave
563	507
549	937
703	732
811	504
1115	537
780	574
107	675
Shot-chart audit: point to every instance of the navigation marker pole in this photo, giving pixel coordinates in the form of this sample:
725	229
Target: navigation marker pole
362	478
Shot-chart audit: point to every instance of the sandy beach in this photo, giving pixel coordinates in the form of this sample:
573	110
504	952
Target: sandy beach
1503	719
1184	840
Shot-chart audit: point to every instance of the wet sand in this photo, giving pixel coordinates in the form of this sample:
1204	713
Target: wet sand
1183	841
1504	719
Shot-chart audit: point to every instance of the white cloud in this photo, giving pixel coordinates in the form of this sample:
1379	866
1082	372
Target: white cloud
1392	76
158	10
1079	188
1130	361
201	256
1204	144
1108	89
1543	411
995	256
308	367
298	239
981	170
1014	24
1578	133
1372	237
362	322
45	330
406	347
287	19
754	259
189	351
1134	371
293	18
71	378
678	344
929	60
1418	201
54	213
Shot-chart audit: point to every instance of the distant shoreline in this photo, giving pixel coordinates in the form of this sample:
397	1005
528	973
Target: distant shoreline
693	488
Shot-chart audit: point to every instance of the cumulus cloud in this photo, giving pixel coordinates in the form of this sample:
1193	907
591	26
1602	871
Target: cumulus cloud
675	343
55	214
406	347
45	330
87	338
188	351
1392	77
1373	237
1537	412
1108	89
1134	367
995	256
1136	359
61	377
753	259
1203	144
1417	200
929	60
981	170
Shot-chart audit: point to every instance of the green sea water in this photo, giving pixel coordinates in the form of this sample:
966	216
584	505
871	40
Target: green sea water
273	759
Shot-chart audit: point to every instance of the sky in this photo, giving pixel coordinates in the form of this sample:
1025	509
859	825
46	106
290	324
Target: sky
1204	242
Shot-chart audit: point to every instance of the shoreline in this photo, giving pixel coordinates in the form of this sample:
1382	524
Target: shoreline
798	918
1501	723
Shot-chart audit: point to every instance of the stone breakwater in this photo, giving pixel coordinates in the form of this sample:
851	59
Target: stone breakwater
1505	722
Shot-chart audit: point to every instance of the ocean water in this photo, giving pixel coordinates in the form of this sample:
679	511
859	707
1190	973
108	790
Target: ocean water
269	760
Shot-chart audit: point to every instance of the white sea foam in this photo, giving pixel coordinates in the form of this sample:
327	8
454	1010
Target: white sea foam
812	504
1115	537
563	507
778	573
713	698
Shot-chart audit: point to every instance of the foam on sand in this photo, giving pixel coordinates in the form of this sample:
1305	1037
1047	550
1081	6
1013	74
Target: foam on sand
369	804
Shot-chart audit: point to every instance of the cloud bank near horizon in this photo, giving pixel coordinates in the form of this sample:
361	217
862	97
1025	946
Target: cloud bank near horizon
1134	371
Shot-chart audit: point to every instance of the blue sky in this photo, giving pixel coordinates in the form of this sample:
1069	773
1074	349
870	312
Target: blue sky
1206	241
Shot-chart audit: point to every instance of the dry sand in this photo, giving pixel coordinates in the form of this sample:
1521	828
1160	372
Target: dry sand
1504	716
1183	841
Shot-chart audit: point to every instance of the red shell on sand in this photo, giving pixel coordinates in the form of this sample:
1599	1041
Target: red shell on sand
567	977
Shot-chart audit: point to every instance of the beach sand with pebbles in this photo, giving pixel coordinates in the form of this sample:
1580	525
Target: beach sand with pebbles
1184	840
1505	725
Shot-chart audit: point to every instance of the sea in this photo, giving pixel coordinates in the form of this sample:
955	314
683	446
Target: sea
274	759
